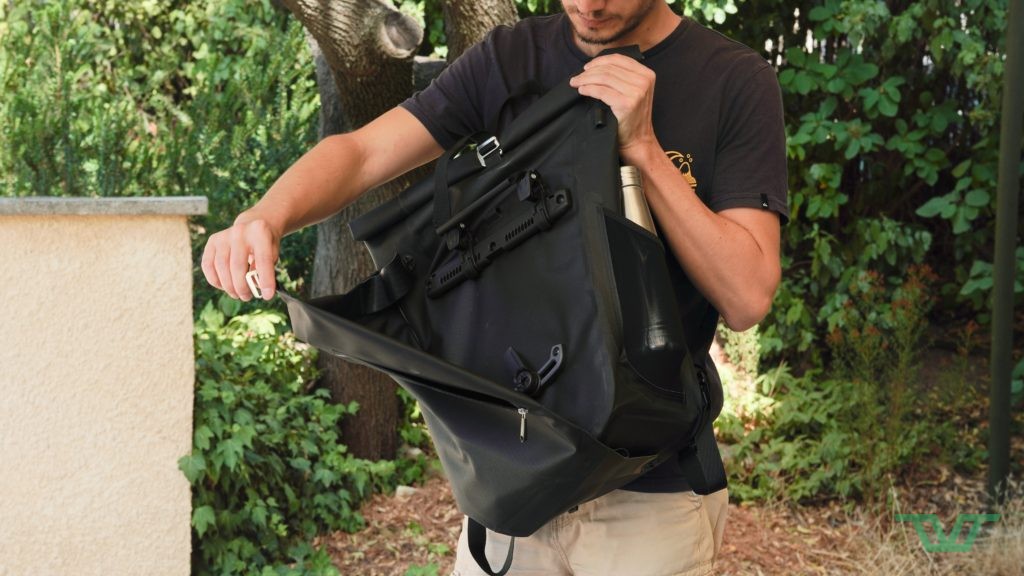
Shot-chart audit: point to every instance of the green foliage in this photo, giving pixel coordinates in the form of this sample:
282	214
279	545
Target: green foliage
841	437
430	569
742	348
1017	384
418	458
891	114
711	11
268	470
155	98
821	440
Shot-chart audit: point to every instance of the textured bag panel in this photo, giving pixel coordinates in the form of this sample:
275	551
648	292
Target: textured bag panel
514	487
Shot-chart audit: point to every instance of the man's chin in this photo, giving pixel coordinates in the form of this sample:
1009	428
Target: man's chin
597	38
594	40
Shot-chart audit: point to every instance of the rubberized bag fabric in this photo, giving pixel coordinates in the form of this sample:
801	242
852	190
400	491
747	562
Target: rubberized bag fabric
535	325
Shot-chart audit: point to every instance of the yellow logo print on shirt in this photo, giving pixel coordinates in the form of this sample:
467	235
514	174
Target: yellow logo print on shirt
684	162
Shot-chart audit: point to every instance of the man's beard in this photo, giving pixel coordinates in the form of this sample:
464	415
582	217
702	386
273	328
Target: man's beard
630	25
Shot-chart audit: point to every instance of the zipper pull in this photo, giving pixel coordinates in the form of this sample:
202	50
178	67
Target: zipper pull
522	424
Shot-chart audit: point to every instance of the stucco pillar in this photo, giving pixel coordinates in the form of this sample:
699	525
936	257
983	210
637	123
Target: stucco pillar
96	381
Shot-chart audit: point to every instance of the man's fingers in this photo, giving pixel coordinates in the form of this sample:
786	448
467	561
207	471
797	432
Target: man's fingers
626	68
617	87
230	253
223	268
265	261
239	263
209	269
603	78
263	256
610	96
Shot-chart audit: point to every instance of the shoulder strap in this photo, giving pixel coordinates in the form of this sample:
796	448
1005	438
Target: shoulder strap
477	538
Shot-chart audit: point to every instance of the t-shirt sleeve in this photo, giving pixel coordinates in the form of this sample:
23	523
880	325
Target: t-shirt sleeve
451	106
750	162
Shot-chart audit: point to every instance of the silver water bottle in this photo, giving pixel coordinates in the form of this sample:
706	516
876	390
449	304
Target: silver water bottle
658	344
633	199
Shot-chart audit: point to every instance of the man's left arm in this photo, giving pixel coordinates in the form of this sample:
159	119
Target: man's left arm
731	256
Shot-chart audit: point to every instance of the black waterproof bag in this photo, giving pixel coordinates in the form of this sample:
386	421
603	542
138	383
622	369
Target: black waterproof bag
533	322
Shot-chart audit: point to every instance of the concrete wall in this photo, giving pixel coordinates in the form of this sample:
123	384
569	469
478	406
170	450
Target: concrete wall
96	385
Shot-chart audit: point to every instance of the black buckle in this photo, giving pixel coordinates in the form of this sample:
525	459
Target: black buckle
527	381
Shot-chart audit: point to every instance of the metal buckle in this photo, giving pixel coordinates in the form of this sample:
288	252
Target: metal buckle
252	279
486	148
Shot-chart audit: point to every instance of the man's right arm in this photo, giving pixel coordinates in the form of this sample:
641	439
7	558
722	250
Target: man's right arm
326	179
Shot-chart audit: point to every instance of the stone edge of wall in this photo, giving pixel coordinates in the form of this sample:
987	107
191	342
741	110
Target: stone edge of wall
135	206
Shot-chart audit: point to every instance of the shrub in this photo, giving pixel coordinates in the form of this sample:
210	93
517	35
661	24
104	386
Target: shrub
268	470
843	436
156	98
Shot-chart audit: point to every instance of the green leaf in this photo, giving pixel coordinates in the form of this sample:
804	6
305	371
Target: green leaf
933	207
828	107
259	516
229	306
232	451
935	156
193	466
819	14
836	85
803	83
870	96
961	169
325	476
796	56
202	519
853	149
210	318
201	437
887	107
860	72
977	198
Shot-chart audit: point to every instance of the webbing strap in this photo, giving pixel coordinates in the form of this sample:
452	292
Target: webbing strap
442	194
477	538
378	292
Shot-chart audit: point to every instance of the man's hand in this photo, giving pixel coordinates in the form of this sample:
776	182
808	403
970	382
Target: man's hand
627	87
229	252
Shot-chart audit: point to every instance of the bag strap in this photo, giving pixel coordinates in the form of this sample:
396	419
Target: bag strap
378	292
477	538
485	145
700	459
530	87
702	464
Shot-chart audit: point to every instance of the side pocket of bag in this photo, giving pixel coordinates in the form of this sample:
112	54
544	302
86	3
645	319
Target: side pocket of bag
652	330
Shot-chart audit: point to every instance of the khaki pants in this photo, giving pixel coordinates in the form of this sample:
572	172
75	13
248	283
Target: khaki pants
621	533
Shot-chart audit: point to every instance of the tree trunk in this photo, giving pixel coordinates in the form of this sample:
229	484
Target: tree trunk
364	54
368	47
467	21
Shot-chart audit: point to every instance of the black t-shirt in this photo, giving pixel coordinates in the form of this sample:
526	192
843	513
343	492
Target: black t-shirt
717	114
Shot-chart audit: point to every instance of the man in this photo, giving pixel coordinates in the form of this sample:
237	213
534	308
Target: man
710	145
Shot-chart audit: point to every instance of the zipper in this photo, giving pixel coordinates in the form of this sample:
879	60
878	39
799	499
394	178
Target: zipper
522	424
705	395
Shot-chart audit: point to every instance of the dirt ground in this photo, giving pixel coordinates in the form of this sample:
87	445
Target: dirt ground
419	527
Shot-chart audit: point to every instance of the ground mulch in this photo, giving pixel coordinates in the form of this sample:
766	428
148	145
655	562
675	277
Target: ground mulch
416	526
422	526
